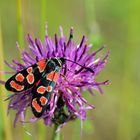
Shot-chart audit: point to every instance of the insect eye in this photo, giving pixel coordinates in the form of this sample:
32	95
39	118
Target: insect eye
59	62
62	60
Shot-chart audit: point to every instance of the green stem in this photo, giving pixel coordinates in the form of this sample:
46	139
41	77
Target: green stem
92	25
3	107
43	4
90	14
56	135
19	23
43	17
21	43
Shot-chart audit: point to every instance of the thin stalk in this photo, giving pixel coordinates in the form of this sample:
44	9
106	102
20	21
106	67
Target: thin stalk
90	14
91	23
56	135
43	17
94	36
42	130
21	43
3	105
19	23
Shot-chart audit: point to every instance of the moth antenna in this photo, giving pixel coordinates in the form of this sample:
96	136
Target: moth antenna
89	69
67	69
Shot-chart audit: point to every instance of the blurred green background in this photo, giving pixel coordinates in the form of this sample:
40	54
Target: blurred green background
110	22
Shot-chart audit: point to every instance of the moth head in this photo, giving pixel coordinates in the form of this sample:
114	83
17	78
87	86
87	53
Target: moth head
59	61
62	60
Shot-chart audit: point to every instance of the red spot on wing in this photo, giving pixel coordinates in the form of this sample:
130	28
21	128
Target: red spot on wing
50	76
30	70
36	106
30	78
41	89
56	77
53	76
16	86
49	88
19	77
43	100
41	65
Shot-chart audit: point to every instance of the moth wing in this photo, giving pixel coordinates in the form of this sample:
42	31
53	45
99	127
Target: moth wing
42	93
26	78
41	96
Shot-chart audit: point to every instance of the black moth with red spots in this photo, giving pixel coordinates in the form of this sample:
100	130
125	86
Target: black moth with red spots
42	78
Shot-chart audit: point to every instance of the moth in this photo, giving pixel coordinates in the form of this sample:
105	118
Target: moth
42	78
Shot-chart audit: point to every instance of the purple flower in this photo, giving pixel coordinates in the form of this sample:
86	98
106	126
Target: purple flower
67	101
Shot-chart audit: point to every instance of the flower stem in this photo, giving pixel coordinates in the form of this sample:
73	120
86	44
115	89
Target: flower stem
3	105
19	23
43	8
56	135
43	17
21	42
92	25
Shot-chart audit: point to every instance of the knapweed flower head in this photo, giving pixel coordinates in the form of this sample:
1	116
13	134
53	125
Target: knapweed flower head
77	75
